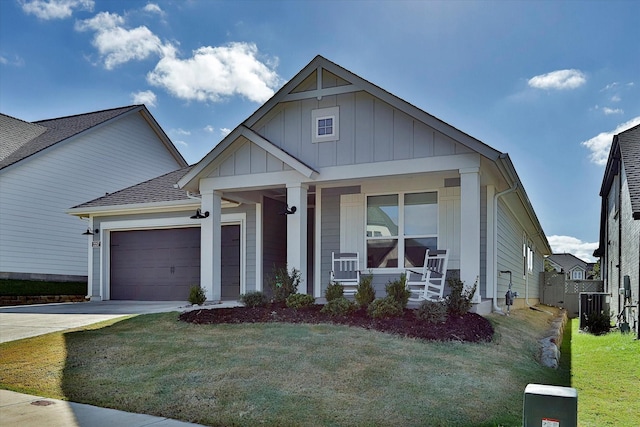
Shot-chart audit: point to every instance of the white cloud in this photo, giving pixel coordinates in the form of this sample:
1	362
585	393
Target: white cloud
117	44
615	98
145	97
153	8
183	143
214	73
181	131
16	61
225	131
55	9
572	245
609	111
560	79
209	129
600	144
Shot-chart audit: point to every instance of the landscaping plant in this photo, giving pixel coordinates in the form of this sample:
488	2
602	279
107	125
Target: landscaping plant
365	294
385	308
597	323
300	300
283	283
334	291
398	291
432	311
338	307
460	300
254	299
197	295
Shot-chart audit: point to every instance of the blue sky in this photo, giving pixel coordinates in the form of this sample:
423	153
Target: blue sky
548	82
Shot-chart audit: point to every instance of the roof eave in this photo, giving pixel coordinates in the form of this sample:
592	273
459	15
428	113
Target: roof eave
137	208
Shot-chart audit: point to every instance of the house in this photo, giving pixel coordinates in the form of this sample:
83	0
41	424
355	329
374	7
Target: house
573	267
366	172
49	165
619	248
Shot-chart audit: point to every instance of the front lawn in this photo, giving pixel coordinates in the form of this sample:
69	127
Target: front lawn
284	374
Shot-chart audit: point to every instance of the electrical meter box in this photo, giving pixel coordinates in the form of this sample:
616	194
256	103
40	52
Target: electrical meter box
550	406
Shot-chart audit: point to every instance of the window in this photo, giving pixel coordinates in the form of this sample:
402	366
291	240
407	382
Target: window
577	275
401	227
527	256
325	124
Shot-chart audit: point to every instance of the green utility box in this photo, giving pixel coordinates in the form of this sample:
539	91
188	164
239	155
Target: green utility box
550	406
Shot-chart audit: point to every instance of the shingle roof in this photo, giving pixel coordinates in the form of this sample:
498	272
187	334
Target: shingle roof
629	142
160	189
14	133
567	261
55	130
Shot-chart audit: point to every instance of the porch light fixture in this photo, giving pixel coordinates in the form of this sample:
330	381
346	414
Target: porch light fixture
199	214
289	210
90	233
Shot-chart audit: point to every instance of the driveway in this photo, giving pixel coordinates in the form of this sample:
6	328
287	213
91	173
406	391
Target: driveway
25	321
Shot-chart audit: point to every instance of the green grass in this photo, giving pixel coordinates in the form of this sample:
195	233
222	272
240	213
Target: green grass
605	370
9	287
281	374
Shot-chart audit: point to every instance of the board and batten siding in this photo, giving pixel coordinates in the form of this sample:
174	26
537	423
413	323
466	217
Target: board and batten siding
36	235
370	131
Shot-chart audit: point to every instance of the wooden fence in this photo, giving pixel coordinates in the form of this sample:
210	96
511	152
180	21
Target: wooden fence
559	292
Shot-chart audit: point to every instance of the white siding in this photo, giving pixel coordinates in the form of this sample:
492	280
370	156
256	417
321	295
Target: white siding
36	235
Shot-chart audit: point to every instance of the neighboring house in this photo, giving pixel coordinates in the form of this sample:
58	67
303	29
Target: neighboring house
367	172
619	248
49	165
573	267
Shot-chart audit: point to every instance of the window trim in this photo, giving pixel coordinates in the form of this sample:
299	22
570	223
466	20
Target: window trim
401	227
322	114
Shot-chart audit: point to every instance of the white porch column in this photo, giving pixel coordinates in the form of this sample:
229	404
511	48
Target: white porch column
470	228
211	245
297	231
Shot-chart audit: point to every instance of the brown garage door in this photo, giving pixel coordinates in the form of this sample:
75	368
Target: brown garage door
154	265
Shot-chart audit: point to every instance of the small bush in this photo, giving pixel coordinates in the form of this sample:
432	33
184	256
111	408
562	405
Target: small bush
432	311
460	300
283	283
254	299
197	295
365	294
300	300
338	307
398	291
334	291
597	323
385	307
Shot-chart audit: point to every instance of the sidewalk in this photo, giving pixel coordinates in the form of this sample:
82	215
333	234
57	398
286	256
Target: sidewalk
17	409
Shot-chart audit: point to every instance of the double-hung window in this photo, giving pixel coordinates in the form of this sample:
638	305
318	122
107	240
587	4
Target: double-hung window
401	227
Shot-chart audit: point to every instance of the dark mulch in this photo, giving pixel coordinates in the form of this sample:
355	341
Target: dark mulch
470	327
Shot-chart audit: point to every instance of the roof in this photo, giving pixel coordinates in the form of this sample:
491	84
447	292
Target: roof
156	190
56	130
629	142
568	261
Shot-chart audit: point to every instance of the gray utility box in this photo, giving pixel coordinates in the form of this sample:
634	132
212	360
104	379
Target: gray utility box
550	406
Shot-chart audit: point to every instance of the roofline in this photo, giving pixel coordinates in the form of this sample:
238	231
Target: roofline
165	206
146	114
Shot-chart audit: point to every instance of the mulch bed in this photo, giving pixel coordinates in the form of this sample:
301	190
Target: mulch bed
470	327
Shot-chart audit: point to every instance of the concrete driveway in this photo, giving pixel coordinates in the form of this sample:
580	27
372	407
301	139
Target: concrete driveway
25	321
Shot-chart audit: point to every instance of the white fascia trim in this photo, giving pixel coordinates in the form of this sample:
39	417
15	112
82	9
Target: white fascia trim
401	167
277	152
254	182
135	208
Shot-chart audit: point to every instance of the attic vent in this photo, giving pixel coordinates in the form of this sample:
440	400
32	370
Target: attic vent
452	182
325	124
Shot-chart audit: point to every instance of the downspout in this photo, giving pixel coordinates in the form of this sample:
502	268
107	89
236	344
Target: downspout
513	188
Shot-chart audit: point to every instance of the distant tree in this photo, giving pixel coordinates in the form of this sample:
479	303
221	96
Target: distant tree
548	266
596	270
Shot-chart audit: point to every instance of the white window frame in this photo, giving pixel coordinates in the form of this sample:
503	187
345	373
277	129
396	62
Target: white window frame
321	114
401	236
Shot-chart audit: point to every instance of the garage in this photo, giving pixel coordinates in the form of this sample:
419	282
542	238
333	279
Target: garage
154	265
163	264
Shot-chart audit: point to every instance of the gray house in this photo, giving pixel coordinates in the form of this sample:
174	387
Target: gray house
619	248
342	151
49	165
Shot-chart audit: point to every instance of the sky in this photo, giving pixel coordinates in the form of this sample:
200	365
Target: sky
549	82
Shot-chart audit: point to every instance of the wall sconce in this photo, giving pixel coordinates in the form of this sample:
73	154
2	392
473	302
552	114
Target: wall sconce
289	210
199	214
91	233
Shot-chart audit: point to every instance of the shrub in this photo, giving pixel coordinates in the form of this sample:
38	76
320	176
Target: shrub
597	323
283	283
338	307
398	291
385	307
254	299
365	294
459	302
197	295
300	300
432	311
334	291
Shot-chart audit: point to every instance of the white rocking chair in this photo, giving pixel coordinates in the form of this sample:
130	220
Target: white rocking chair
429	284
345	270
